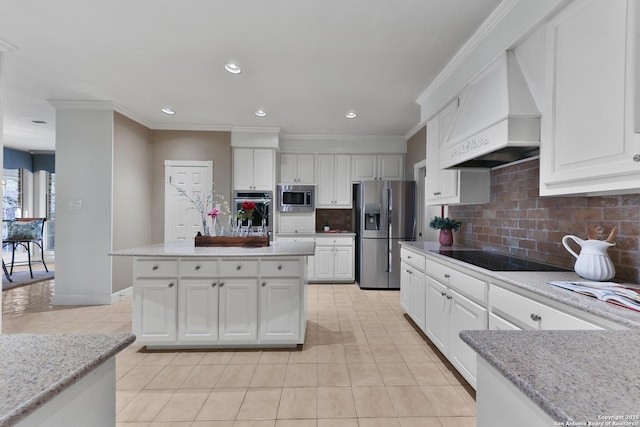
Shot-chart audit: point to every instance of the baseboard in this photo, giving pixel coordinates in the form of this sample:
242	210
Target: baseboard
121	294
82	300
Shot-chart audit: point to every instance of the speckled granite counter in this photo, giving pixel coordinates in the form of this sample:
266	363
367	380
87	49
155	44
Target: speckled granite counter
36	368
572	375
536	282
187	249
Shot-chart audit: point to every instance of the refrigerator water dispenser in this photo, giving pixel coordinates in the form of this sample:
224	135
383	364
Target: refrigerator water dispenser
372	216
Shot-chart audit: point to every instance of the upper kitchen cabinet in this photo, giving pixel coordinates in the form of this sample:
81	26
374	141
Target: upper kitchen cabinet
591	126
297	168
445	186
334	181
371	167
253	169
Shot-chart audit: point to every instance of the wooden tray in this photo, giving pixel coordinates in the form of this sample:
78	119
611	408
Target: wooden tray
247	242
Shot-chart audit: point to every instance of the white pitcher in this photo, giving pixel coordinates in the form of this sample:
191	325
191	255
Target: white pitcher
593	263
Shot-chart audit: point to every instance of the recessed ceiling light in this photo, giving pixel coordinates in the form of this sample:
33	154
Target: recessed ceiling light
351	114
261	113
168	110
233	68
39	122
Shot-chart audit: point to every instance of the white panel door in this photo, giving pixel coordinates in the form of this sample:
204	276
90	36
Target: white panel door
405	287
324	262
263	164
364	167
391	166
198	311
154	319
465	315
418	302
326	181
238	319
437	317
306	169
343	180
279	310
243	168
182	221
343	263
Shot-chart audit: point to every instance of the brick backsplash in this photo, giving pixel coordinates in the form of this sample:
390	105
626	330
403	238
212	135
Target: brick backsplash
338	219
518	222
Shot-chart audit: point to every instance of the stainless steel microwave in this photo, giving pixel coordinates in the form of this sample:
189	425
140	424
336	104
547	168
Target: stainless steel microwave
296	198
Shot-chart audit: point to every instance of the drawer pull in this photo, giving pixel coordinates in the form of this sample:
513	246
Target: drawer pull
437	193
238	267
444	294
171	285
447	275
197	267
449	297
154	268
264	284
213	285
408	256
279	267
221	284
535	317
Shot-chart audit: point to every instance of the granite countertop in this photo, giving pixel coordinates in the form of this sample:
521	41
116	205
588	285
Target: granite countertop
318	234
35	368
187	249
574	376
536	282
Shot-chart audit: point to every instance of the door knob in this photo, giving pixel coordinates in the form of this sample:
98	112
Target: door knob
264	284
171	285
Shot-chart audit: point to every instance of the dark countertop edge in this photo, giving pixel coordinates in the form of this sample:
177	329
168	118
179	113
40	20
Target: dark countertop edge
524	386
31	405
605	310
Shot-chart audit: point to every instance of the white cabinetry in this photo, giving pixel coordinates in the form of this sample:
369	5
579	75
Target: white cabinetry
445	186
413	286
297	168
238	310
525	313
334	259
198	308
253	169
370	167
311	259
592	112
155	298
334	181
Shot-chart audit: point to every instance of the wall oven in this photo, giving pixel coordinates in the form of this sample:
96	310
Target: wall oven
296	198
264	205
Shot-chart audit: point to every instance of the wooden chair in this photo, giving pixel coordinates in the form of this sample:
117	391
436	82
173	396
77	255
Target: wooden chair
22	232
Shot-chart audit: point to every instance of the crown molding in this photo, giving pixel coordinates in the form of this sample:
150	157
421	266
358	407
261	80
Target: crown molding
190	127
74	104
349	138
256	129
481	33
415	130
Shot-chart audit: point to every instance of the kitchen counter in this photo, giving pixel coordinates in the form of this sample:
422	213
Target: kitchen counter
38	368
317	234
536	282
573	376
187	249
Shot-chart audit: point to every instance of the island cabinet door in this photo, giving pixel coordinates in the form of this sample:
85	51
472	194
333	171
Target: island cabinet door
155	305
198	311
279	310
238	305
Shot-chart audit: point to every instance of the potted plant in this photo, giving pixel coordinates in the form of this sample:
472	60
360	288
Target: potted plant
446	226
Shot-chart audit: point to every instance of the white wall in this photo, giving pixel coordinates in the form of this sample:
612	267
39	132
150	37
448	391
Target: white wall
84	159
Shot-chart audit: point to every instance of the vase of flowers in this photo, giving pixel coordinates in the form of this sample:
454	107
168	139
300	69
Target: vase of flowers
205	206
446	226
213	213
247	212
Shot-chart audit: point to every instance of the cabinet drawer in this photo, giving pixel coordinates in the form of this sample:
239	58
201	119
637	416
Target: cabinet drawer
469	286
238	268
334	241
413	258
198	267
280	268
531	314
144	267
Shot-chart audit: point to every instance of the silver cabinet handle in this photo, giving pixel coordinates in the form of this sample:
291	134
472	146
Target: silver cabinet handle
197	267
213	285
444	294
154	268
279	267
535	317
221	284
238	267
408	256
264	284
449	297
171	285
437	193
446	275
636	158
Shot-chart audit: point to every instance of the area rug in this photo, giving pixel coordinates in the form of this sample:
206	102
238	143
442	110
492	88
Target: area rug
23	278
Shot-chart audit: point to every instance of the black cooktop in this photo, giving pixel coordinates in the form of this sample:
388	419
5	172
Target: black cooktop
498	262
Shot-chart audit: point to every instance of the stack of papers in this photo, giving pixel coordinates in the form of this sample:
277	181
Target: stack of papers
626	295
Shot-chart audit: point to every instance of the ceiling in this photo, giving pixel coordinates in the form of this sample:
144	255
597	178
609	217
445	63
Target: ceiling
306	63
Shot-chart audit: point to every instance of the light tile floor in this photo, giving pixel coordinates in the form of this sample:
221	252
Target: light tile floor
363	364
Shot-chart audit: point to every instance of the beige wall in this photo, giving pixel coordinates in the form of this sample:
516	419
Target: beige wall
187	145
416	151
132	184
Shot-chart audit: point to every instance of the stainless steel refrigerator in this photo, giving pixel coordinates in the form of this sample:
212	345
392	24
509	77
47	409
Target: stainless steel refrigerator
384	214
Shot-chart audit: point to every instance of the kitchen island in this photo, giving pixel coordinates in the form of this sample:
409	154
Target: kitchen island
59	379
219	297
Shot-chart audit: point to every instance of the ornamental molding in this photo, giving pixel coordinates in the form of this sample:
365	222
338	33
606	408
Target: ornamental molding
468	146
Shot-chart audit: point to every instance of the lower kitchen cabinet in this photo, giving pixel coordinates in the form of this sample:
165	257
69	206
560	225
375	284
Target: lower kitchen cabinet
414	283
155	303
238	310
334	259
279	310
198	308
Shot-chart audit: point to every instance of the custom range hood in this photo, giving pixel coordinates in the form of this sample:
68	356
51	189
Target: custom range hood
497	120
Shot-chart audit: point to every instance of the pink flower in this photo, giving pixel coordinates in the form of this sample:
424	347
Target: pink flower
214	212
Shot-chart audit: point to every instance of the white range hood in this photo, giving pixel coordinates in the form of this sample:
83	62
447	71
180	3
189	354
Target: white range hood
497	121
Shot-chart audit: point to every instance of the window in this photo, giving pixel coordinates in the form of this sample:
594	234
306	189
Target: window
50	232
12	194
